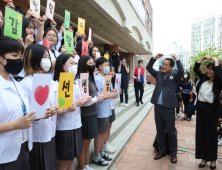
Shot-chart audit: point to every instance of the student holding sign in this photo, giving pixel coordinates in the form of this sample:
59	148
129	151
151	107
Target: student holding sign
89	111
103	111
15	119
43	154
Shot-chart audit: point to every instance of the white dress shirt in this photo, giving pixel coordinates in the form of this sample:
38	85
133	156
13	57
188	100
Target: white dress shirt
206	93
11	110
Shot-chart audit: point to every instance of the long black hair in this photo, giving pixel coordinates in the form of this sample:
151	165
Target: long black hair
59	65
25	23
1	29
82	69
187	80
91	50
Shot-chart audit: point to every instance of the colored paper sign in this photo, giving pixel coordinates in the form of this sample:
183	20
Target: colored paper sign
7	1
40	94
35	6
84	48
84	85
65	95
90	35
81	25
67	19
97	55
107	84
13	23
106	56
46	43
50	8
118	82
68	41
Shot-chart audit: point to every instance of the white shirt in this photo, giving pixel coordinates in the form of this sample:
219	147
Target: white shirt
112	103
21	74
11	110
206	93
44	129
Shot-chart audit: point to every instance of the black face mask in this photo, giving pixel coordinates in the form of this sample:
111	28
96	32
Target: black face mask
90	68
13	66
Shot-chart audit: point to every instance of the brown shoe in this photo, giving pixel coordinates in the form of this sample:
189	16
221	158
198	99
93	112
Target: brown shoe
159	156
173	159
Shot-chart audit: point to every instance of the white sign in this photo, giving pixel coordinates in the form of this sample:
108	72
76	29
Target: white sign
50	9
118	82
90	35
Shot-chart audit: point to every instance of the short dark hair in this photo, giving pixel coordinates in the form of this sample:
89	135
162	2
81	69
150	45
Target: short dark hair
139	61
20	10
107	51
100	61
172	62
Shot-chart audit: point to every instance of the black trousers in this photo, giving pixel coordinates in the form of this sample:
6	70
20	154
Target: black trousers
138	87
124	87
206	133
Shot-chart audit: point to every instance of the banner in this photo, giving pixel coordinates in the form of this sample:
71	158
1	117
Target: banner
81	25
67	19
84	85
107	84
68	41
35	6
50	8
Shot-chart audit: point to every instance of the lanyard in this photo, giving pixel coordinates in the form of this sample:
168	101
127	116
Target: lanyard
23	104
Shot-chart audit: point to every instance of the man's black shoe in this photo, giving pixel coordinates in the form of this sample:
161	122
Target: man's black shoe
137	104
141	102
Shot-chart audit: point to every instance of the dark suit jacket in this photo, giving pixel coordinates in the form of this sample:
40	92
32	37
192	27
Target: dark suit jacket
167	86
216	88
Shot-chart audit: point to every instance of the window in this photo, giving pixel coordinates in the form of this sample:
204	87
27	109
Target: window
147	16
143	3
150	23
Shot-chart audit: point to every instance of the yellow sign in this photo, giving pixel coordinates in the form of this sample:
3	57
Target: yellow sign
106	56
81	25
65	95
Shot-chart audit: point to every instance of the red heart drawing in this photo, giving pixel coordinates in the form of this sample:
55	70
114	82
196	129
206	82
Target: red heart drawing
41	94
117	81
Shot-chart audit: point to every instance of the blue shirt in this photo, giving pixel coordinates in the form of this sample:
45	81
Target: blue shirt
160	100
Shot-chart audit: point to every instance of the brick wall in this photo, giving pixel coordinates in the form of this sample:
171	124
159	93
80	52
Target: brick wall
22	3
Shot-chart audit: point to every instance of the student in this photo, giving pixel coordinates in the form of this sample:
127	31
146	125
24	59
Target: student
20	10
110	59
124	70
92	52
103	113
15	119
89	111
43	154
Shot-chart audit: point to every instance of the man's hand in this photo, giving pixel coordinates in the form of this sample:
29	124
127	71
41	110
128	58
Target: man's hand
159	55
174	56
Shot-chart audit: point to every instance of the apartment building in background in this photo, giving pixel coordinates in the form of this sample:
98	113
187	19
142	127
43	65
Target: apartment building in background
206	32
185	58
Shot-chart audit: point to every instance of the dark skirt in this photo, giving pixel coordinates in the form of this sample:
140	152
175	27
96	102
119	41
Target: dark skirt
43	156
89	127
206	132
69	144
103	124
112	118
22	162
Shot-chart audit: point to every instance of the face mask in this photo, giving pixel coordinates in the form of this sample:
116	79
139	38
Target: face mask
185	76
73	69
13	66
106	70
90	68
46	64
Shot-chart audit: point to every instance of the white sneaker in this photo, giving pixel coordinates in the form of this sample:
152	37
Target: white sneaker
108	149
121	104
113	148
126	105
178	115
90	168
220	143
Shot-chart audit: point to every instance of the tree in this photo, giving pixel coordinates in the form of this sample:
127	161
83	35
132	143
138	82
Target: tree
213	52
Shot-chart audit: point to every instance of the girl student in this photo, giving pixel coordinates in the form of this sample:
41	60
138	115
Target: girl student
43	154
15	120
69	141
89	111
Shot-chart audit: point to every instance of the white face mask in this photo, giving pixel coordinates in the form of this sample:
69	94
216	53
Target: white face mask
106	70
73	69
46	64
185	76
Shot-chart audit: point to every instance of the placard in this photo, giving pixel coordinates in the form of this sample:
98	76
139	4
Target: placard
84	48
65	95
106	56
50	8
13	23
68	41
84	85
7	1
40	94
90	35
107	84
98	55
81	25
46	43
35	6
118	82
67	19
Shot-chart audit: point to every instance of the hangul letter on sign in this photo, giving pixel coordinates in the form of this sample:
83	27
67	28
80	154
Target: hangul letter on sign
66	86
107	84
84	85
14	30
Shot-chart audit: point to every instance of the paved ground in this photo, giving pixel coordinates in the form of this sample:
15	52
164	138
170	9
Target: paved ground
139	152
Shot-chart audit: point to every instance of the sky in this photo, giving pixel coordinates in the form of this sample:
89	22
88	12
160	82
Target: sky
172	21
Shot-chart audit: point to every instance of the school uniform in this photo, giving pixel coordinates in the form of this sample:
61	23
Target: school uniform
14	145
69	141
43	154
112	117
103	107
124	83
89	114
18	77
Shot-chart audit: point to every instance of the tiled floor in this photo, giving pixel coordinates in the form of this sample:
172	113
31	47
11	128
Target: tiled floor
139	152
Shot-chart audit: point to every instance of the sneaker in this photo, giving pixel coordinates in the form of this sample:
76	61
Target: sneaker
121	104
178	115
126	105
220	143
108	150
183	118
90	168
113	148
188	119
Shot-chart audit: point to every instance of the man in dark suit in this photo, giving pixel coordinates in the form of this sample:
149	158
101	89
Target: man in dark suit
165	101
